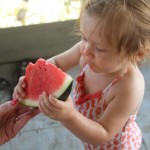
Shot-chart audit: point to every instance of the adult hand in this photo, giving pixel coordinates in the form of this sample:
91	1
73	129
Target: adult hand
13	117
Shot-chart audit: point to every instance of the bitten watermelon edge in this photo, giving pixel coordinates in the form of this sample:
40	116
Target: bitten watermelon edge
45	77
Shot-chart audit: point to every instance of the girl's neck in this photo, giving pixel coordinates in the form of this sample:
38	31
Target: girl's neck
119	72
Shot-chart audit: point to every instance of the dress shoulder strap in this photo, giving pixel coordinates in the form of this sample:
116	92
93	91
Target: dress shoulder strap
113	82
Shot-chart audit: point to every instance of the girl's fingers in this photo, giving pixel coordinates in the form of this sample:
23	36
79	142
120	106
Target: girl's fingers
42	106
15	94
46	106
22	82
55	102
20	91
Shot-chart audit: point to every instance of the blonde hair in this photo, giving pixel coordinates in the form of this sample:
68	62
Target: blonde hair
124	24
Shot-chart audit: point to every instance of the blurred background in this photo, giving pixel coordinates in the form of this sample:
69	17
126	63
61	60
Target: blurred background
26	12
30	29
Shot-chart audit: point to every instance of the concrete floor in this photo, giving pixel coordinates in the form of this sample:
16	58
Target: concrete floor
42	133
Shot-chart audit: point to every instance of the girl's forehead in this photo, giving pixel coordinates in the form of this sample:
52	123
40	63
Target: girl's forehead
89	26
88	23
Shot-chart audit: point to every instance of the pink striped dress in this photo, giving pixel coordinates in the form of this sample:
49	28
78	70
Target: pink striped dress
92	106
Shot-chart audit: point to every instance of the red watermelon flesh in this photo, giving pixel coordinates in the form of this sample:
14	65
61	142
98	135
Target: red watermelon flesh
44	77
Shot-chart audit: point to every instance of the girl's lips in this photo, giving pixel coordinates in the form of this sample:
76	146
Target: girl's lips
94	68
91	66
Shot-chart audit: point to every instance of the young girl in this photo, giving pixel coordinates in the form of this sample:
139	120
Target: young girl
110	88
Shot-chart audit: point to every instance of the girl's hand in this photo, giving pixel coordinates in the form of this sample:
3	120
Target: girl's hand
54	108
19	92
13	118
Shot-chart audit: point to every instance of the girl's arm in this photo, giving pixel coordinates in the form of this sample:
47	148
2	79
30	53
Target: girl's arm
86	129
116	115
82	127
67	59
111	122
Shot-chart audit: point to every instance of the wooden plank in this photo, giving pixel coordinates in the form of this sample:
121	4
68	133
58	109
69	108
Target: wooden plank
34	41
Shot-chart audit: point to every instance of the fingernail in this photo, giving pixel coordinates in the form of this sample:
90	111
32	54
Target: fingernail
14	102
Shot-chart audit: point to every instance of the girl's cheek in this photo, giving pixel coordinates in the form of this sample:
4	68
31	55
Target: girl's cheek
82	48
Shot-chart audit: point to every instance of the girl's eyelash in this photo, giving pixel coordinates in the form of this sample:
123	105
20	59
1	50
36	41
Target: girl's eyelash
100	50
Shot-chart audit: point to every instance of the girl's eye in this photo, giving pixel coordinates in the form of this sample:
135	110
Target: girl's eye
100	50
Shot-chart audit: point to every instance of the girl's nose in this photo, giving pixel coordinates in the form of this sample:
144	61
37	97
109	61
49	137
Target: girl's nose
88	51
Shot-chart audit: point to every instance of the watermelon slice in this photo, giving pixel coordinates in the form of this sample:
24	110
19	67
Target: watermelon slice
46	77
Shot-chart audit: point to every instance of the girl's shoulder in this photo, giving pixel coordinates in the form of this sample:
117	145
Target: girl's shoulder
133	80
130	90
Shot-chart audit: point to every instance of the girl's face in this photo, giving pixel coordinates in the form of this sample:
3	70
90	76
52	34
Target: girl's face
101	57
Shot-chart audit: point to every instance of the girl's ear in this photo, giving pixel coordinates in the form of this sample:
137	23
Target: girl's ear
139	56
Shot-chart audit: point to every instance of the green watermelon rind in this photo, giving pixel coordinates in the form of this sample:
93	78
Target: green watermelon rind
34	103
28	102
63	88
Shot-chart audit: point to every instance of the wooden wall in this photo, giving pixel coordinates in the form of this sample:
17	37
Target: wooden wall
36	41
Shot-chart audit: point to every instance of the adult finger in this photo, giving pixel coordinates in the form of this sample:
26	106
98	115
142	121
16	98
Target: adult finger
24	109
8	108
22	120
